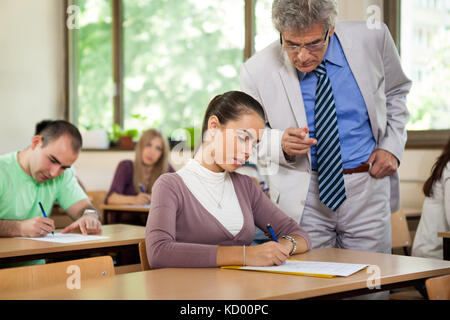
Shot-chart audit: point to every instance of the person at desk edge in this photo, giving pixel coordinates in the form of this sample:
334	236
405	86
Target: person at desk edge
42	173
204	215
133	181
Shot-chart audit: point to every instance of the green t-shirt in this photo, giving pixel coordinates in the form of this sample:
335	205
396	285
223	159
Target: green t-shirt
20	193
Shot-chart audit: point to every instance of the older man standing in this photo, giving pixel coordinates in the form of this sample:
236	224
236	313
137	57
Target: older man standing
335	100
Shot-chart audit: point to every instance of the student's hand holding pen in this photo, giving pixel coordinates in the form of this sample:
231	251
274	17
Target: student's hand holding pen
266	254
295	141
142	198
36	227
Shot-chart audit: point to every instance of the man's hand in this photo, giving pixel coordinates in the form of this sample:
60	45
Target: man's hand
88	224
383	162
295	141
36	227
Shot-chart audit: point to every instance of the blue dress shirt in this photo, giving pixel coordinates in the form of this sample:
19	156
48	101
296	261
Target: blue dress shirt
355	134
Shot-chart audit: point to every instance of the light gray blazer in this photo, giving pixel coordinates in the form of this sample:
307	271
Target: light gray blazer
271	79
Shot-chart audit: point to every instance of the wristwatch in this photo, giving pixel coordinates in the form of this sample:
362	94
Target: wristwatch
294	242
90	211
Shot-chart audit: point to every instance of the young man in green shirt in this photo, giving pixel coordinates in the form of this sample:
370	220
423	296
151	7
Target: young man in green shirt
42	173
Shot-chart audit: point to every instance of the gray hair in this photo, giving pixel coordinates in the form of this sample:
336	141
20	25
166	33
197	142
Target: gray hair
303	14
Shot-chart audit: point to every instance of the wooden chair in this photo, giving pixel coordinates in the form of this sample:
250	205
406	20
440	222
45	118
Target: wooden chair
38	276
438	288
143	256
401	237
97	198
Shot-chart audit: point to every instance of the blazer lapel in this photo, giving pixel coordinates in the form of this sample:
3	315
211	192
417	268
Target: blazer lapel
291	85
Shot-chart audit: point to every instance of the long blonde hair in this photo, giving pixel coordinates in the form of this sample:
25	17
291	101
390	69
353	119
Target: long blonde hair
160	167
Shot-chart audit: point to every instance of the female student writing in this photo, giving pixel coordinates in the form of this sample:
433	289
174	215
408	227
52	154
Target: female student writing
204	215
133	180
435	211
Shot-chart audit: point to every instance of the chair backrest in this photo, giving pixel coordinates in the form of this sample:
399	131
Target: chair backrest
97	198
143	256
58	273
400	232
438	288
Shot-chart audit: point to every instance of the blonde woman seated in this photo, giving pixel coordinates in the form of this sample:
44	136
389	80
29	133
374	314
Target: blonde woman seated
204	215
133	180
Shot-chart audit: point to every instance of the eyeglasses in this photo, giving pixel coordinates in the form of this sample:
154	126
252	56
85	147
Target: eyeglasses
313	46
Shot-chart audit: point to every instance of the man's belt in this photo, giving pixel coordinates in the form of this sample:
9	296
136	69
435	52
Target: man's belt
362	168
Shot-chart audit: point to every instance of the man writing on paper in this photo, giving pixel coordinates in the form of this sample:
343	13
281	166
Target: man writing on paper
42	173
334	96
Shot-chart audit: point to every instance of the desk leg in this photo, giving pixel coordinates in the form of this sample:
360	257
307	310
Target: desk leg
447	249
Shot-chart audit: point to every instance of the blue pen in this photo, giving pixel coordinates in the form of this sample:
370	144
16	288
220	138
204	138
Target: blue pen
272	233
45	215
142	188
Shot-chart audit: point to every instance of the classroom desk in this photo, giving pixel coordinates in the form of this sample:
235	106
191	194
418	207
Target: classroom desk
121	237
446	244
115	209
222	284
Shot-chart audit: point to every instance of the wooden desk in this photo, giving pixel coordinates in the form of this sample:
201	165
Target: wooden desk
223	284
113	209
446	242
121	237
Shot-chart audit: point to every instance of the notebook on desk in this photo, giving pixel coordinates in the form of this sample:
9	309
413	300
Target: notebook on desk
309	268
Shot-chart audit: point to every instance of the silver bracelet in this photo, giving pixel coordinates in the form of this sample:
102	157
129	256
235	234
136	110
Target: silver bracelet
244	257
294	242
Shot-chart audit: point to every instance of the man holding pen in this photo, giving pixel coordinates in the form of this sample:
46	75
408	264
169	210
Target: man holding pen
42	174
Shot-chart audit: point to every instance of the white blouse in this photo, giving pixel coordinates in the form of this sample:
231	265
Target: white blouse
215	192
435	218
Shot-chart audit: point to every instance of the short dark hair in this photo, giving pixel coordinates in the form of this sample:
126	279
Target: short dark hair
51	130
230	106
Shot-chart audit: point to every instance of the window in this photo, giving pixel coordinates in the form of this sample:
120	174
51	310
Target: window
425	53
177	56
158	63
94	71
265	32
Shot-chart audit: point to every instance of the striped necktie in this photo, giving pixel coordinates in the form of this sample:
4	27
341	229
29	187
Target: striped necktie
330	175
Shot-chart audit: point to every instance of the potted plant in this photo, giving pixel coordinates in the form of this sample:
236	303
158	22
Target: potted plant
124	139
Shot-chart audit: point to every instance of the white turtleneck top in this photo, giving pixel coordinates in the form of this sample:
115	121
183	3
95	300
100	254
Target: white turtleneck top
215	192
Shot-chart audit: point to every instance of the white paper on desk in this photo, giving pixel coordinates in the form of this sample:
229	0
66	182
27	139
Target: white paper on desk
66	238
313	268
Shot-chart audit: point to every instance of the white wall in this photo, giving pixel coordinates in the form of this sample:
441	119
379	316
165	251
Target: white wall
31	68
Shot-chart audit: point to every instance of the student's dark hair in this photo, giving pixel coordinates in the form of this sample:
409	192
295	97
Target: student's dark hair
51	130
230	106
436	171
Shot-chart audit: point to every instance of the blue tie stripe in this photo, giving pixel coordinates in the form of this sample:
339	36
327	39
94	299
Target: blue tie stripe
329	158
329	125
336	201
330	175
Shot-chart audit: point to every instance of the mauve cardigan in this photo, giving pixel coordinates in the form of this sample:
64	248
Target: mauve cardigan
180	232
